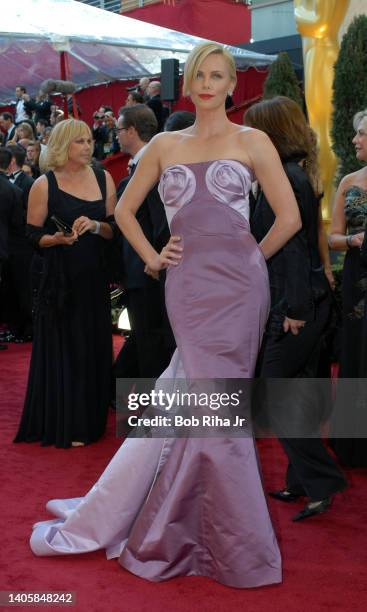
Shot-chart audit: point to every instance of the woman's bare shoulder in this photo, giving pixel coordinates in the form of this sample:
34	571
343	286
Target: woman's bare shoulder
354	178
162	145
40	185
255	143
249	134
165	140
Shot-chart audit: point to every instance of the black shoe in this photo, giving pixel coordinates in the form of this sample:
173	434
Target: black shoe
3	347
284	495
322	506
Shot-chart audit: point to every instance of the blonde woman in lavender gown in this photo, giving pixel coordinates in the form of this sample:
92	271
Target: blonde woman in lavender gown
194	506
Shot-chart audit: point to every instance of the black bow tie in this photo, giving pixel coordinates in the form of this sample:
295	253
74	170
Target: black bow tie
14	175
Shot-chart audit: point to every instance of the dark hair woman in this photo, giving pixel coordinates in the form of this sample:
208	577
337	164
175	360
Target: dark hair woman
300	309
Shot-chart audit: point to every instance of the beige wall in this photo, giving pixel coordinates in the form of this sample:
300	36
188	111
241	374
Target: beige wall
356	7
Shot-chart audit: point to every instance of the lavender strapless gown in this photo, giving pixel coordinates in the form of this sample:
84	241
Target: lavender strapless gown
190	506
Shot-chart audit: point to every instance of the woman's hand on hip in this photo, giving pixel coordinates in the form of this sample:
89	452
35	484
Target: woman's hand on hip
293	325
171	254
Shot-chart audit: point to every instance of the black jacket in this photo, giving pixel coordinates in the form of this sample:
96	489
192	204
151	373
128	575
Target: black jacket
41	109
152	219
100	137
156	105
9	137
12	217
24	182
296	276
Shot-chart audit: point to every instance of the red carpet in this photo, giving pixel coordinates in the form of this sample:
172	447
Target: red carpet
324	559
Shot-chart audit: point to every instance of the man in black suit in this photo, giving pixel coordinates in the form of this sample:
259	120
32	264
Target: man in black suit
7	126
155	103
11	210
20	256
149	348
16	174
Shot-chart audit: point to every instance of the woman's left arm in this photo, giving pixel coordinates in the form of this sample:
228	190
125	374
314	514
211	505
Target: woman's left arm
102	228
278	192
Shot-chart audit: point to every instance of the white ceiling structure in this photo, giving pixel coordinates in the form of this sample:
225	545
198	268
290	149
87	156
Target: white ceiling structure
101	45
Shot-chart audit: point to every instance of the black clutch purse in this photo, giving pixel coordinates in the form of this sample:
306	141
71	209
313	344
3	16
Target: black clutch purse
61	225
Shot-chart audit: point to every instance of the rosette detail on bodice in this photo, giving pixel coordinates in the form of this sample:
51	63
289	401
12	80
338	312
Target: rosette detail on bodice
227	181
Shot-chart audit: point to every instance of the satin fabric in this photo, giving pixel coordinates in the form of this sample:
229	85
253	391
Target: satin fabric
190	506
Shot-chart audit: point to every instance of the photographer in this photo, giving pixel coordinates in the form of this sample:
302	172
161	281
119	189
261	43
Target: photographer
100	135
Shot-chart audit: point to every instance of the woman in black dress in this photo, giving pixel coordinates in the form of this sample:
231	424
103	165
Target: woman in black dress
69	379
347	233
300	310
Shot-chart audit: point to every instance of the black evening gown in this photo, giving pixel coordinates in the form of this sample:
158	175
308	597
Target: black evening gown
350	426
69	378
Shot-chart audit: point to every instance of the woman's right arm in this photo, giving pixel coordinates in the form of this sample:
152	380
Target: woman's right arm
37	214
145	177
338	239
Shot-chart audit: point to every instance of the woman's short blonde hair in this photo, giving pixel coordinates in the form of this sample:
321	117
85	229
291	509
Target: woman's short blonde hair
61	137
26	129
358	117
198	55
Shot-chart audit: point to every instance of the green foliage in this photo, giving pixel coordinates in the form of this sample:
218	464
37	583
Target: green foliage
282	80
349	92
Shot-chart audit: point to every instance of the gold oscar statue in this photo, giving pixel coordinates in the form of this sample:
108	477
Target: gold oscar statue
318	22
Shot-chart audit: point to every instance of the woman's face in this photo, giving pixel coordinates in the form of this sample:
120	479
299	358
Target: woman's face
21	133
212	83
360	140
80	150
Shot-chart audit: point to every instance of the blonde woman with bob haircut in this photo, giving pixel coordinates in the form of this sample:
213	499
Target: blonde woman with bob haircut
70	218
24	130
195	505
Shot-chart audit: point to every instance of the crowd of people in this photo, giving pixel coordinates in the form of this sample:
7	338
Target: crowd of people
104	128
25	133
218	241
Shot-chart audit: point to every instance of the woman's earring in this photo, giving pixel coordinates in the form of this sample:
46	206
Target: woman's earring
230	93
